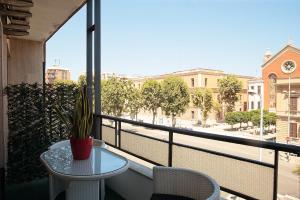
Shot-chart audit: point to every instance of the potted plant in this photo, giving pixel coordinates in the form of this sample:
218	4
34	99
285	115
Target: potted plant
79	124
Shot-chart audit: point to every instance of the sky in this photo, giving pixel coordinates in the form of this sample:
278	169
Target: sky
151	37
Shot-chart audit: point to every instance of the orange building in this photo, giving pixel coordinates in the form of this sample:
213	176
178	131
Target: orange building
275	73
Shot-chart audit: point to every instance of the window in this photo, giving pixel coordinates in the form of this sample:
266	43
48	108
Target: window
240	97
205	82
272	90
252	105
293	104
258	105
258	90
252	87
193	114
293	130
245	106
193	82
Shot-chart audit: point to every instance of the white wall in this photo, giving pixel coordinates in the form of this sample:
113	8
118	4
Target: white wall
255	98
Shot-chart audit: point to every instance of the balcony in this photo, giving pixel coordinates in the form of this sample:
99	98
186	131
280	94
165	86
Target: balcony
293	113
232	161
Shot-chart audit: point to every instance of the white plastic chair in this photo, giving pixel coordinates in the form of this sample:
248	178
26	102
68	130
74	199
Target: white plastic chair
56	184
184	183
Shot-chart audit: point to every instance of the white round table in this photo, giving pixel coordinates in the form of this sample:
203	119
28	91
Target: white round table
83	177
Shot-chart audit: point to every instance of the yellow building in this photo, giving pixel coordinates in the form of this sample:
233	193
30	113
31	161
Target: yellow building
56	72
205	78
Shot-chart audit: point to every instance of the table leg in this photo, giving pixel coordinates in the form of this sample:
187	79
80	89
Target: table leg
102	189
87	190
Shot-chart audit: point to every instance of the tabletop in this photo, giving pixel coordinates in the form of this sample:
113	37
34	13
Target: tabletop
101	163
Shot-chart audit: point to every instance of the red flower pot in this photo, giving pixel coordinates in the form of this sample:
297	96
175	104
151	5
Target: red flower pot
81	148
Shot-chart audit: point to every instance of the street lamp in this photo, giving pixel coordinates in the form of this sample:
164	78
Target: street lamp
261	114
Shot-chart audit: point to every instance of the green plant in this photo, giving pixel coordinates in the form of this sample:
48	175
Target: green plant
79	121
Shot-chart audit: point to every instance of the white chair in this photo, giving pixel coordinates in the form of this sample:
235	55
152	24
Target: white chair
58	185
178	183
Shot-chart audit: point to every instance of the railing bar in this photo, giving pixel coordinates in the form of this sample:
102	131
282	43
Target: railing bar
116	133
275	175
170	160
100	134
145	136
231	139
226	155
237	193
119	133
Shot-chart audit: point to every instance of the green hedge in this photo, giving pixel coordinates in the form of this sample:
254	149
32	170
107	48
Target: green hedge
34	126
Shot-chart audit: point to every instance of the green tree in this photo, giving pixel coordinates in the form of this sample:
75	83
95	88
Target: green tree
230	119
81	80
113	96
134	100
217	107
229	87
270	119
151	96
175	97
203	99
60	82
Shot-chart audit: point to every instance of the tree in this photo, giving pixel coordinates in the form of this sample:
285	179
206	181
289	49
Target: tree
151	96
60	82
175	97
81	80
229	87
114	95
239	117
270	119
203	99
217	107
134	100
247	118
230	119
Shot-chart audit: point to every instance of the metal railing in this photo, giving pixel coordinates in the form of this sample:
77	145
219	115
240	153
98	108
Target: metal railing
276	147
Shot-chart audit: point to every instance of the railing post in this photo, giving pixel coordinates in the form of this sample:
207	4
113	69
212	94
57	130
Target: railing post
119	133
116	133
275	186
170	148
100	134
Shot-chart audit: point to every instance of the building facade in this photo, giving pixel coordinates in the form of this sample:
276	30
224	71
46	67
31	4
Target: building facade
255	94
56	72
281	75
202	78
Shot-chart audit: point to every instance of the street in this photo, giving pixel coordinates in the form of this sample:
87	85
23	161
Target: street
288	183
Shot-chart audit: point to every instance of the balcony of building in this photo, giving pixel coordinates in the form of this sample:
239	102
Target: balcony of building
232	161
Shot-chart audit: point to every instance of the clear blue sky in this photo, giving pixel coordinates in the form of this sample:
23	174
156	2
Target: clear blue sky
148	37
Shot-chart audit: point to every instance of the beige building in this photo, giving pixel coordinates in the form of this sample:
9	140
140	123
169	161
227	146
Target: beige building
205	78
56	72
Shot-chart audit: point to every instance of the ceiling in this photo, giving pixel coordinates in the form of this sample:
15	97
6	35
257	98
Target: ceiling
48	16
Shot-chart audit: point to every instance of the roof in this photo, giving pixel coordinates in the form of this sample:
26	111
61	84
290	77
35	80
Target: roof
58	67
288	46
